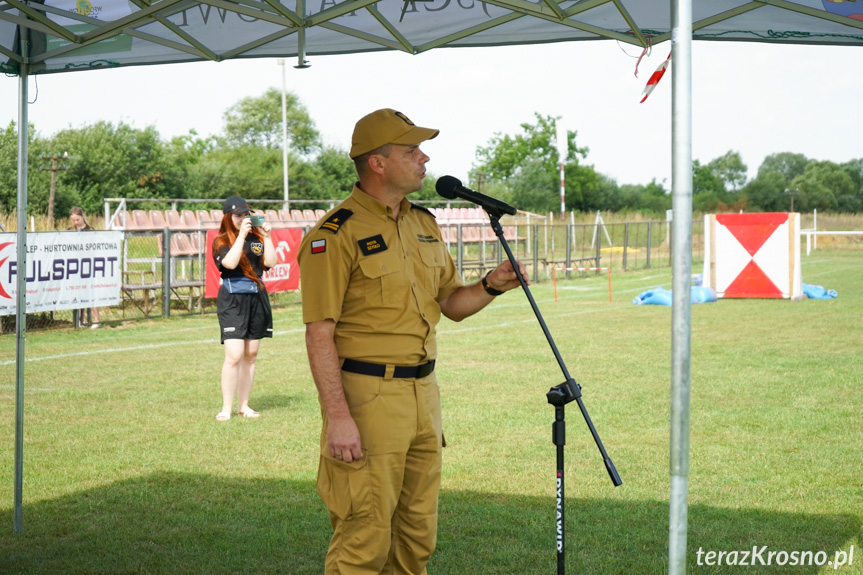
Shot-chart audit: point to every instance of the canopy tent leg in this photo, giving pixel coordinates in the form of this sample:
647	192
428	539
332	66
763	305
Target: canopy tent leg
21	295
681	253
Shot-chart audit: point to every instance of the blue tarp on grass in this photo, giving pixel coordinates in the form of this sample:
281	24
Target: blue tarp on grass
662	296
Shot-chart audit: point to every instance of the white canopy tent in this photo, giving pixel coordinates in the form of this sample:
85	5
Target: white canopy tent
67	35
57	36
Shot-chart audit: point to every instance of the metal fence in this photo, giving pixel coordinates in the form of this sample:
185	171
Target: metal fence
544	246
160	283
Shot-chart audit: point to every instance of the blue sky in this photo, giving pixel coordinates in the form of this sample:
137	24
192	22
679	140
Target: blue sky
757	99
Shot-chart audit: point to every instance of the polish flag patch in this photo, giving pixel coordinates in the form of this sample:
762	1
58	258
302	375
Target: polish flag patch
319	246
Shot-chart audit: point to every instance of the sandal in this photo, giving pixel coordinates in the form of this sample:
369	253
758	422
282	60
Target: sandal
249	413
223	416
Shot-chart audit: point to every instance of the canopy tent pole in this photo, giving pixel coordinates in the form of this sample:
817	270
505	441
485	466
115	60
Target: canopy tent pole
21	277
681	257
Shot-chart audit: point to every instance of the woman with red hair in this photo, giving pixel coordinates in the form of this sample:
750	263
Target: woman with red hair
243	253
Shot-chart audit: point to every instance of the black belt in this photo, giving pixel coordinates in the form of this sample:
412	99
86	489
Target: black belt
380	370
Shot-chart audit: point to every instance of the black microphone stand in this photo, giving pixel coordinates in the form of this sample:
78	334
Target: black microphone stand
558	396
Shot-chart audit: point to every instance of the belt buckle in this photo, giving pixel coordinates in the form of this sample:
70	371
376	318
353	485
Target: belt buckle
425	369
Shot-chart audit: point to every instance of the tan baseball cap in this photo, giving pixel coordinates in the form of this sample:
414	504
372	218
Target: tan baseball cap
387	126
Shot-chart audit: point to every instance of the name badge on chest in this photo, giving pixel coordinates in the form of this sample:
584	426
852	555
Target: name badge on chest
372	245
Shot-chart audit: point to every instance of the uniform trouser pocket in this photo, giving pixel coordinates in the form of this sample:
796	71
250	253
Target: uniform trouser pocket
345	487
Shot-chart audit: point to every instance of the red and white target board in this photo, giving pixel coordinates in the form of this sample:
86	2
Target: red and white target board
753	255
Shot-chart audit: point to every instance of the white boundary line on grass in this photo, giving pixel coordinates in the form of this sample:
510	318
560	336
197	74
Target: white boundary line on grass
298	330
123	349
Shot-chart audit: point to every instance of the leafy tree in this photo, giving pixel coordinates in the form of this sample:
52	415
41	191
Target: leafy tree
820	185
253	172
329	176
107	161
787	164
38	181
708	189
730	170
339	174
611	197
529	166
533	185
652	198
853	203
258	122
767	192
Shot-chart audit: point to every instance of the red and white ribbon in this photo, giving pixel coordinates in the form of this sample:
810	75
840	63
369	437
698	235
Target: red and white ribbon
655	78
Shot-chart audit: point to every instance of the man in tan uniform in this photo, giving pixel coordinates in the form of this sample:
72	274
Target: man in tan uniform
375	278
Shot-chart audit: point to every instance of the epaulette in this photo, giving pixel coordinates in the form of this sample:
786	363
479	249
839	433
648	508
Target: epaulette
426	210
335	221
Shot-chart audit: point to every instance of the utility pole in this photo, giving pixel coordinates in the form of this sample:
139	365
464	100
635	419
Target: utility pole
792	193
58	163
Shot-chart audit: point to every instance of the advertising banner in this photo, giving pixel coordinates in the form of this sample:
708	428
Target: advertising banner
64	270
284	276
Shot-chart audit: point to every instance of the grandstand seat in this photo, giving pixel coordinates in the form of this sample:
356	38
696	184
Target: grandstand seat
157	218
471	234
126	219
319	213
199	242
205	219
190	219
285	215
275	220
297	216
488	234
140	220
118	220
309	215
476	215
181	245
449	234
217	215
175	222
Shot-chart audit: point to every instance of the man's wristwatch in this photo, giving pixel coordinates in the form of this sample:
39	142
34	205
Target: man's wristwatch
488	289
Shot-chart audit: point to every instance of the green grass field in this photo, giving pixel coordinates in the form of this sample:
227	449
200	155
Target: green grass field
127	471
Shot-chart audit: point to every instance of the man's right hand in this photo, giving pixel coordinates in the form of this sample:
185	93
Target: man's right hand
343	439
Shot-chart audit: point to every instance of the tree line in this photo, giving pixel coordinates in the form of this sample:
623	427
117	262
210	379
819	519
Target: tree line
104	160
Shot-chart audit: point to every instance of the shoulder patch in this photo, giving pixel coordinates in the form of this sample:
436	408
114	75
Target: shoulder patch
335	221
422	209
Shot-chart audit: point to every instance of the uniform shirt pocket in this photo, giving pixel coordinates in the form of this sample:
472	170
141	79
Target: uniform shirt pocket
385	280
433	259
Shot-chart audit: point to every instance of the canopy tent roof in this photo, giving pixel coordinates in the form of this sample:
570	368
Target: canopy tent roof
67	35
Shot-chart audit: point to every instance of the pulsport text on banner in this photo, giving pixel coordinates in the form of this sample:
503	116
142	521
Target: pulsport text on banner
64	270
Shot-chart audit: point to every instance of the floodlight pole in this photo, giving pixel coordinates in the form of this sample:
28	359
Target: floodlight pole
286	200
558	396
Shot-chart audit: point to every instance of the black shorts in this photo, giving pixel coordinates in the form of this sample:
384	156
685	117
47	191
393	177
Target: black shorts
244	315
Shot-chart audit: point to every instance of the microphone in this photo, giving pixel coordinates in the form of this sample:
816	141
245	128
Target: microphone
450	187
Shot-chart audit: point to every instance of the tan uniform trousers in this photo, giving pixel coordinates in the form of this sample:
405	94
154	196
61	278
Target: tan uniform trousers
383	508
